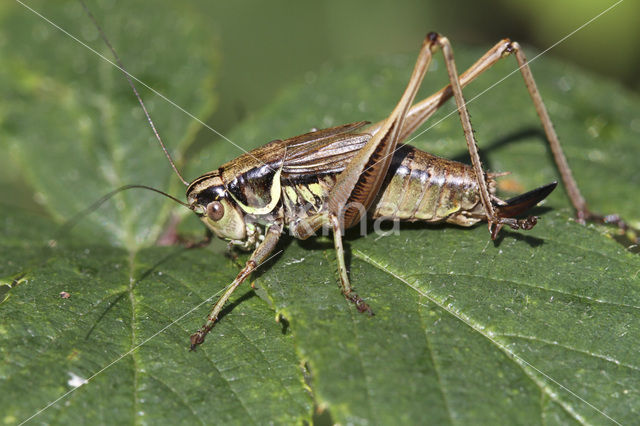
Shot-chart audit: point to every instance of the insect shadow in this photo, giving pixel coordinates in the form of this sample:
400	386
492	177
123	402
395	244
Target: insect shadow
508	139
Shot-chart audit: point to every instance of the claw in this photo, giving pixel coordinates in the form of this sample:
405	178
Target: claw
196	339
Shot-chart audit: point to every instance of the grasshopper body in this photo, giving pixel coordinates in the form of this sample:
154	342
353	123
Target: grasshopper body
301	171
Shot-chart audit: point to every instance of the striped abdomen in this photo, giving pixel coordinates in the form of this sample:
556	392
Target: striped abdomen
423	187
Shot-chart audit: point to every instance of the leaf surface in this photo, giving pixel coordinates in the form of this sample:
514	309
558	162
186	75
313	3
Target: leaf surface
538	328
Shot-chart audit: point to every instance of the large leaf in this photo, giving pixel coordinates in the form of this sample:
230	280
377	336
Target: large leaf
540	327
125	328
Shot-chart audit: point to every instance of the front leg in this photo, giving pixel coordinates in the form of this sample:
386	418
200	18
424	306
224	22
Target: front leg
260	254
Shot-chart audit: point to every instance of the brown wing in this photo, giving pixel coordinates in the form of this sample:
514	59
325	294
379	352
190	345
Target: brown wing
330	155
305	151
324	150
327	152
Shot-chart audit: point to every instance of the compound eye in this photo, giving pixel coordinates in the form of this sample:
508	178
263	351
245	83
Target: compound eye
215	210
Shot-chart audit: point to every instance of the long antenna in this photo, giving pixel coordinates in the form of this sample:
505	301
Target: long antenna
133	87
66	227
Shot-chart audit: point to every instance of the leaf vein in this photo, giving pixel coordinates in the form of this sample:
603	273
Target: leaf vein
266	360
606	358
178	398
213	364
525	284
354	330
526	367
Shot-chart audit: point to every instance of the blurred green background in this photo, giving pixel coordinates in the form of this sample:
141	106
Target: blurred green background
264	45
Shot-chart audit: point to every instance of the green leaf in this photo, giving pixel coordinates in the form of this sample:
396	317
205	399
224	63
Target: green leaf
540	327
125	328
